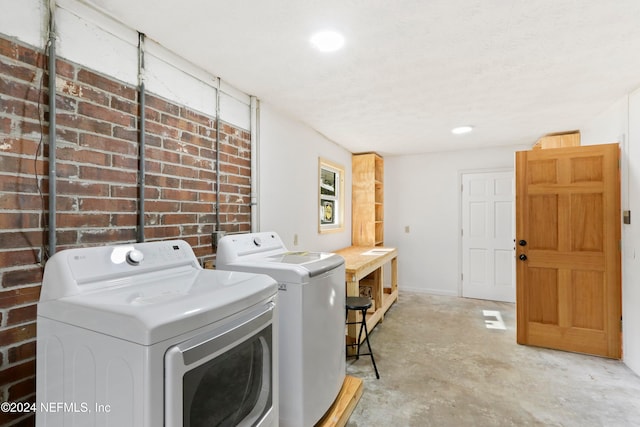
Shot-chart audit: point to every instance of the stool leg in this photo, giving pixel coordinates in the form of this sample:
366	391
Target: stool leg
366	337
363	324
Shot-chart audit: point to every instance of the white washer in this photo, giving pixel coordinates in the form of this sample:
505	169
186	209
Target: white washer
311	301
141	335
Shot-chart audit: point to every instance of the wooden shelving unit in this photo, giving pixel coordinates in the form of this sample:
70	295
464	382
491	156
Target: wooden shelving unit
367	200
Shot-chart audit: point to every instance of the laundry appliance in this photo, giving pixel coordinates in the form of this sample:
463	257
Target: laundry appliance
141	335
311	300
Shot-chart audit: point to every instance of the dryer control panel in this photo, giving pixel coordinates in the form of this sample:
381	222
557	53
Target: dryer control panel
77	270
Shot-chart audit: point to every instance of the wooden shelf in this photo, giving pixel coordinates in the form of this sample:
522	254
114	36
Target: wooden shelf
367	200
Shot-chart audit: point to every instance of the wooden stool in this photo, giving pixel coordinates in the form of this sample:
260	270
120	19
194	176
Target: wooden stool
361	304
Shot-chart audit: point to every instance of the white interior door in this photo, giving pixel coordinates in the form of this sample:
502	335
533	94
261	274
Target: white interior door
488	230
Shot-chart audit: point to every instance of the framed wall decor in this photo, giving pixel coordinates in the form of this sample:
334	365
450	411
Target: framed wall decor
330	196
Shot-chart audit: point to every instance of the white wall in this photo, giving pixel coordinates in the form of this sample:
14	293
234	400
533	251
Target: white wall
423	193
288	182
621	122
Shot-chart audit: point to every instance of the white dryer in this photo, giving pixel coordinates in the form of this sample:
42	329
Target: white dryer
311	300
141	335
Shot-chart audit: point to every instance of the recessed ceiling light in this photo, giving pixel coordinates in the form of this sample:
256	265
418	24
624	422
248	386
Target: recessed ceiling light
327	41
462	129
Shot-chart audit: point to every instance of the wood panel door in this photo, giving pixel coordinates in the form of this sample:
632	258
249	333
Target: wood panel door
568	285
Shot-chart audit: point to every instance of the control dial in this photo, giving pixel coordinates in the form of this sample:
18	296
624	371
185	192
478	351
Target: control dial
134	257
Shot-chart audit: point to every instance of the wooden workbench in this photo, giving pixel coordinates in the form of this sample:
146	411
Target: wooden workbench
364	276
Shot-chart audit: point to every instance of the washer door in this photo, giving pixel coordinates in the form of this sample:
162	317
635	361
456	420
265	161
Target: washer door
224	377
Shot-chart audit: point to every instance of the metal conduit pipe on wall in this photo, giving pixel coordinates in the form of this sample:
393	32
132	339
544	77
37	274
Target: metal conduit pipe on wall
141	171
255	122
52	129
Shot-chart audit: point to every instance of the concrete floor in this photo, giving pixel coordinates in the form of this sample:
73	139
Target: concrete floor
440	366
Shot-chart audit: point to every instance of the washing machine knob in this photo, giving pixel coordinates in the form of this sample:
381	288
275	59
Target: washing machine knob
257	241
134	257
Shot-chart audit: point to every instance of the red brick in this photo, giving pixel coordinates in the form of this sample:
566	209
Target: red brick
106	114
24	276
28	74
110	204
19	220
19	107
163	232
124	220
82	188
171	194
20	315
197	207
82	219
17	334
162	206
65	69
23	389
162	181
127	191
84	123
20	200
83	156
176	122
161	130
20	239
106	84
162	105
106	236
164	155
124	162
22	352
171	219
14	297
91	173
18	372
20	90
103	143
197	162
66	170
125	133
177	170
194	184
66	103
125	106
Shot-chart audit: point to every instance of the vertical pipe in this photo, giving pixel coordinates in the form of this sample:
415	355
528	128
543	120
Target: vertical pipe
217	189
255	128
52	130
141	136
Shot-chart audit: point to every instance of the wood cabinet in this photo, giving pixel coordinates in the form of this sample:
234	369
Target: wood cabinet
367	197
558	140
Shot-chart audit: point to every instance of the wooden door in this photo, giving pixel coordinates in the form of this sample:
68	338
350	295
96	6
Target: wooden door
568	286
488	228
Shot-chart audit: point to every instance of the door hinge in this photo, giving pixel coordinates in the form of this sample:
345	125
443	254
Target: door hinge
620	323
461	276
462	231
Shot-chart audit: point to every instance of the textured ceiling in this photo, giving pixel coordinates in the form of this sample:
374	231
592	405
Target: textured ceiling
411	69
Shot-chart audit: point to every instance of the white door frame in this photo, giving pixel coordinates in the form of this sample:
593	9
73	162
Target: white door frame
461	173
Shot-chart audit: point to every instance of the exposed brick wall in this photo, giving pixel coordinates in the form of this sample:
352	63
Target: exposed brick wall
97	170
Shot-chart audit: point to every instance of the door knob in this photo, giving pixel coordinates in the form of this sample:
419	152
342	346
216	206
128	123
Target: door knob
522	243
522	257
